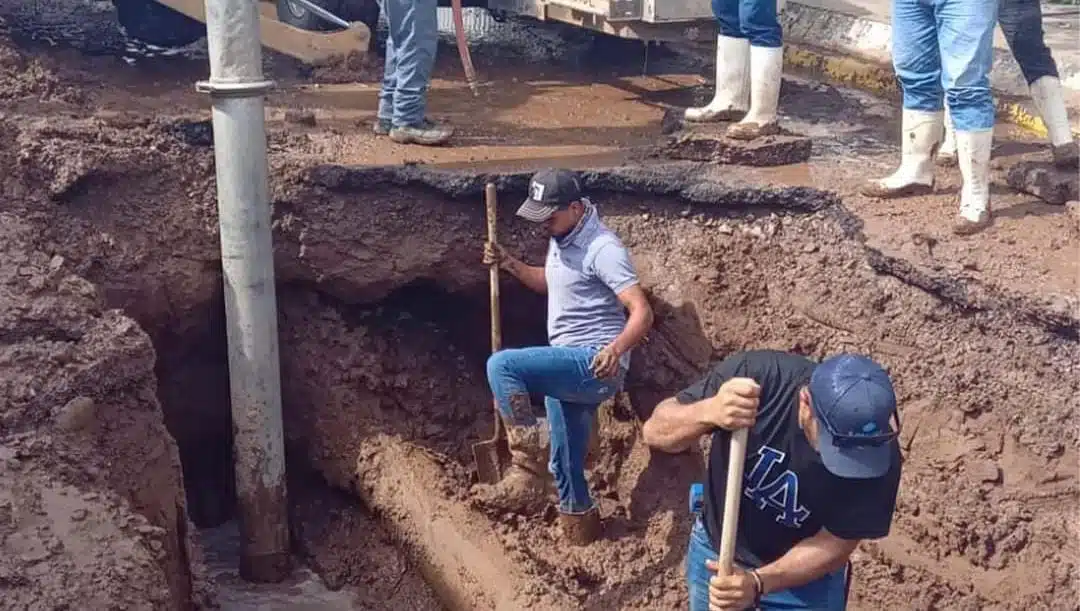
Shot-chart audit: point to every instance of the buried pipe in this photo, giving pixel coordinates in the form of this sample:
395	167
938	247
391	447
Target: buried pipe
236	87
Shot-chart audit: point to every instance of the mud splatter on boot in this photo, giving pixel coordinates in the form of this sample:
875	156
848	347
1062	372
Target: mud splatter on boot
524	488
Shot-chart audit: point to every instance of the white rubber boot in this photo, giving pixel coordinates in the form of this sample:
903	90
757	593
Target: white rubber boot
732	96
922	134
973	157
766	72
947	153
1047	96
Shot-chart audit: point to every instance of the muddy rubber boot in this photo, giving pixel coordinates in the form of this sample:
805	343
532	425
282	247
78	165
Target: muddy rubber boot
973	157
731	98
922	132
946	156
766	72
382	127
523	488
581	528
1050	102
425	133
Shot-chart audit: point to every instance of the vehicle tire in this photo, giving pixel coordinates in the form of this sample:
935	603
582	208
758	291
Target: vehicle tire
293	14
157	24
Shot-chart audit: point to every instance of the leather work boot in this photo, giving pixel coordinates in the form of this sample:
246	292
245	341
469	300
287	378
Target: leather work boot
766	68
524	487
426	133
581	528
922	133
731	98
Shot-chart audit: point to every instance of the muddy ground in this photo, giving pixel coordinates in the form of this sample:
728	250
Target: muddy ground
113	356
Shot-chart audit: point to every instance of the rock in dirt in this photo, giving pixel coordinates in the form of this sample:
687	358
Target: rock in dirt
300	117
1045	180
707	142
985	472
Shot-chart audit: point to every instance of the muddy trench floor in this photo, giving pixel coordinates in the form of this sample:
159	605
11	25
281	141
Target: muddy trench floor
113	360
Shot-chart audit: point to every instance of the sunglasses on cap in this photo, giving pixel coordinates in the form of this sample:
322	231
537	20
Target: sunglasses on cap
847	440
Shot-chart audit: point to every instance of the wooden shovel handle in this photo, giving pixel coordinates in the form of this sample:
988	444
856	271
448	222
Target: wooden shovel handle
732	497
491	201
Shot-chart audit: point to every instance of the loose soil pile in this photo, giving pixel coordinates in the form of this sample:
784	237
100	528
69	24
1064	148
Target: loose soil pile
110	276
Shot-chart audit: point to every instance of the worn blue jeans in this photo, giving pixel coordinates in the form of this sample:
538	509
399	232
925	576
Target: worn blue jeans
410	58
942	51
753	19
1021	22
571	396
826	594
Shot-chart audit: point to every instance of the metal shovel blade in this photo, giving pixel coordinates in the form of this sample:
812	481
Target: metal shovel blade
492	456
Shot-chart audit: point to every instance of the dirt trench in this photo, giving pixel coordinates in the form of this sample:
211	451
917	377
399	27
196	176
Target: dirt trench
112	356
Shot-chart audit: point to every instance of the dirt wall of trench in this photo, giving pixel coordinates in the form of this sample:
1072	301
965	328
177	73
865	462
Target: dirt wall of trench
374	383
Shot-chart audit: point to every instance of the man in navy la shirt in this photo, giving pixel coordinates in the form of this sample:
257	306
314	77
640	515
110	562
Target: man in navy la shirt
822	473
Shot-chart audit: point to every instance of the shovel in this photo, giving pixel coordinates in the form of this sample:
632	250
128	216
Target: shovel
732	496
492	455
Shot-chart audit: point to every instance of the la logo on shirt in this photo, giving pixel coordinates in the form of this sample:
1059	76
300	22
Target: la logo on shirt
773	490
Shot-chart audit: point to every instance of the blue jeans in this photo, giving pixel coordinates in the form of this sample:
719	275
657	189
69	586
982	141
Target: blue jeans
571	396
410	57
826	594
943	50
1021	22
753	19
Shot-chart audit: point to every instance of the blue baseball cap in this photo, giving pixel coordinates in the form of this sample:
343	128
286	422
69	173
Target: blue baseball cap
853	400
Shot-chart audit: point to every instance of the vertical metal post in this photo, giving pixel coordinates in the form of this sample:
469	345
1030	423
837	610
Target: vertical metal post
237	88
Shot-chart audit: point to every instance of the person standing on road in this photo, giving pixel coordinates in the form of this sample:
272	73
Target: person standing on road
942	53
822	473
1021	22
749	68
589	281
410	58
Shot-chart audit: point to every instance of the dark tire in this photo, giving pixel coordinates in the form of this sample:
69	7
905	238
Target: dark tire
157	24
297	16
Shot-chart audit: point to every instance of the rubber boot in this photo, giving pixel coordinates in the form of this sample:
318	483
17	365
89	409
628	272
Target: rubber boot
973	157
947	153
732	96
581	528
922	133
523	488
1050	102
766	72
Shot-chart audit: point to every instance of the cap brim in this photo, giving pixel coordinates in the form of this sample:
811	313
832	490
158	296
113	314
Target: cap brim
863	462
536	212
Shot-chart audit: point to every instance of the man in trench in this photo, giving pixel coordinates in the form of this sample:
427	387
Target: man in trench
822	473
596	314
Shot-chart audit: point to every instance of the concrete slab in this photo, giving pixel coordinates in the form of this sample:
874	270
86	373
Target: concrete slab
851	41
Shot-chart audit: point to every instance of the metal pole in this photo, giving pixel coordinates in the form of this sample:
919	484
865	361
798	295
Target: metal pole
237	87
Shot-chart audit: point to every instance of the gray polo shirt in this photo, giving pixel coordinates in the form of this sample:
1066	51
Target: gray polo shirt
585	270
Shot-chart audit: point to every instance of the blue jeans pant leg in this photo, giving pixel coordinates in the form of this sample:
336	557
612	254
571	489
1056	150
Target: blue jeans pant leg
389	83
915	54
966	45
760	23
1021	22
563	375
414	30
826	594
727	18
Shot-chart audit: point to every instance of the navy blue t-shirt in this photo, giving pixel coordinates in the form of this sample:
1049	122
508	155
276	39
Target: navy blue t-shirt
788	495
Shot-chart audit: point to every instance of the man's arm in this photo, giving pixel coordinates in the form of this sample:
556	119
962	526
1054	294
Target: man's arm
638	321
531	276
674	427
809	560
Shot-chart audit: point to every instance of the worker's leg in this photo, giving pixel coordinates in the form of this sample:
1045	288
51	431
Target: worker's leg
570	423
918	67
759	23
1021	22
965	38
384	120
414	29
553	371
731	97
698	551
947	151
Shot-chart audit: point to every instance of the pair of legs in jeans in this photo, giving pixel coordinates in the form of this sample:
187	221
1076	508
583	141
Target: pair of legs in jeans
942	54
410	58
826	594
1021	22
563	374
749	64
